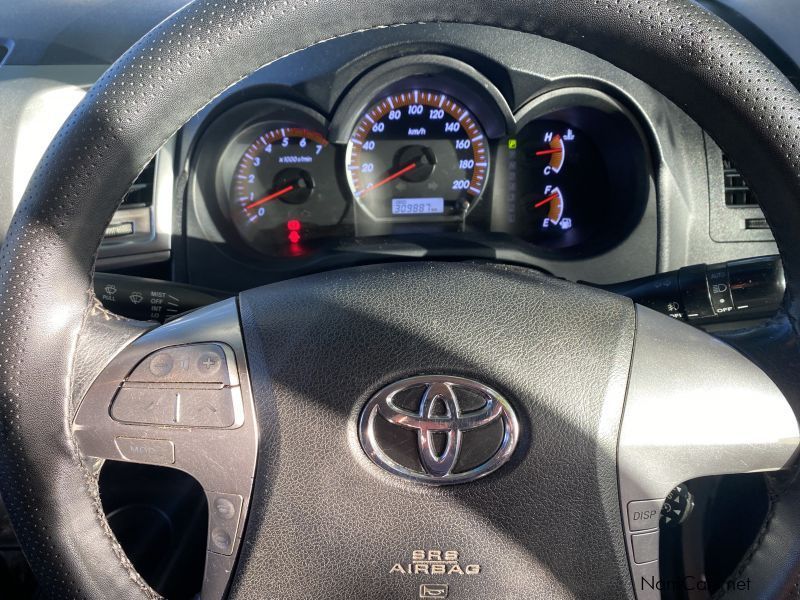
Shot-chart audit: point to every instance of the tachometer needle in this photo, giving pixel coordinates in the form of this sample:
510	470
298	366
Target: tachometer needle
271	196
392	177
550	198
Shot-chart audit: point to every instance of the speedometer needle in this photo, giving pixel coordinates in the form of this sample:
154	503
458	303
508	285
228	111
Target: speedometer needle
271	196
392	177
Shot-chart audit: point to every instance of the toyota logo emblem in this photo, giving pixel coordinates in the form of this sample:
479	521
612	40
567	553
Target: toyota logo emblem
438	429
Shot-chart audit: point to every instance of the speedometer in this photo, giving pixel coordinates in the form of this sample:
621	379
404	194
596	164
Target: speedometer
417	155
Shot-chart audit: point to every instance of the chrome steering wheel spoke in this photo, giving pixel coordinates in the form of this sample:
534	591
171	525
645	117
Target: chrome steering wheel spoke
695	407
179	396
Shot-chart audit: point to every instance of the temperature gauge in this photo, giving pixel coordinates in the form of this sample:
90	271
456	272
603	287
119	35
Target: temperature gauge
560	188
555	152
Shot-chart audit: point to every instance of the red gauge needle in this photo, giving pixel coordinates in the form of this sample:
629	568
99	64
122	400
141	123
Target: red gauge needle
550	198
272	196
392	177
549	151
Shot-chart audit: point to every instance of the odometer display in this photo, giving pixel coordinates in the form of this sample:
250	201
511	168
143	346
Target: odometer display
417	155
417	206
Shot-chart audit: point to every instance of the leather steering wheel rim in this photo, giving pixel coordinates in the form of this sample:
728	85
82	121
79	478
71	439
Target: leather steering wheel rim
52	329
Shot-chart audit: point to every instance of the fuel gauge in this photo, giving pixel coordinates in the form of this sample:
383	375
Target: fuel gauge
578	174
560	189
551	208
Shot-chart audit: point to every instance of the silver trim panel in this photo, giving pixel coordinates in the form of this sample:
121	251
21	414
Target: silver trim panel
153	225
223	461
695	407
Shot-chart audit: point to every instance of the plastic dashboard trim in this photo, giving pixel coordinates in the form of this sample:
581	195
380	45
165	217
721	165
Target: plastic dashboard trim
636	256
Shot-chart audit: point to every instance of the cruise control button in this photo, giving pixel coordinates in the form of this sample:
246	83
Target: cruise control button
140	450
193	363
644	514
223	514
645	547
186	406
205	408
144	405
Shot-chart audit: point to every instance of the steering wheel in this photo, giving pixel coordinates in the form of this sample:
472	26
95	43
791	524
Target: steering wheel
271	386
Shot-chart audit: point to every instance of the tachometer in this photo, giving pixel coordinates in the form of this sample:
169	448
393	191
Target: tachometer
283	190
417	155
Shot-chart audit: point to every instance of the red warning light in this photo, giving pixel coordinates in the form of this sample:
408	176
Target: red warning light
294	226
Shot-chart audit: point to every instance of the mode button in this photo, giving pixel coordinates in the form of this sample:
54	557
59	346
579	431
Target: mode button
141	450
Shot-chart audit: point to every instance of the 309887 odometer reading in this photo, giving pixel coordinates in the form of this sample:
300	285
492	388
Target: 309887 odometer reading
417	155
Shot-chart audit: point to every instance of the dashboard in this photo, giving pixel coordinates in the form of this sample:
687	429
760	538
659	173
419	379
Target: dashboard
423	150
425	145
435	141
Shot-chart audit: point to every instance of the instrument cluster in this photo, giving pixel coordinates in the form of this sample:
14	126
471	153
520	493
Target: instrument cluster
424	146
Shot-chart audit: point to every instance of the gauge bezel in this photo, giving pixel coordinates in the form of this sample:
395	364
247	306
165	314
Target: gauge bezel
479	150
265	227
222	145
279	113
597	114
441	74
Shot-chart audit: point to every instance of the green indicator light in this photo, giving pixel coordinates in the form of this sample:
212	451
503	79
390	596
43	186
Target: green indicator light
512	144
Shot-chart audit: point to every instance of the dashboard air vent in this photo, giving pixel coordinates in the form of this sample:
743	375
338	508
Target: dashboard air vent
141	192
6	45
737	192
